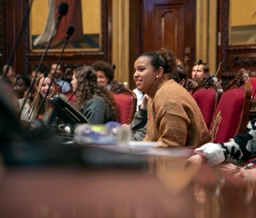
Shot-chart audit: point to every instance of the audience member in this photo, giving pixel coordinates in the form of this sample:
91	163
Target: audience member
64	85
138	125
21	85
241	148
139	96
200	71
33	104
10	74
42	69
173	116
179	75
92	99
105	73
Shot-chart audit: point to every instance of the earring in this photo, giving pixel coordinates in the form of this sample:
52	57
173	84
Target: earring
157	77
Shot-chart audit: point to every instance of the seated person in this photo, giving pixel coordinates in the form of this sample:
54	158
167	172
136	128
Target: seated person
105	73
138	125
139	96
64	85
173	117
200	71
21	85
92	99
33	104
241	148
10	74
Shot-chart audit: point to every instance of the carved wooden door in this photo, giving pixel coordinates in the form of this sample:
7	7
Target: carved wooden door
170	24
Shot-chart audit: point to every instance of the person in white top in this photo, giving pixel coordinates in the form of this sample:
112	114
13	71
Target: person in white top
65	86
139	95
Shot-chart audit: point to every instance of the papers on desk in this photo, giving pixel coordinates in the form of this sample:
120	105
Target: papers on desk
148	148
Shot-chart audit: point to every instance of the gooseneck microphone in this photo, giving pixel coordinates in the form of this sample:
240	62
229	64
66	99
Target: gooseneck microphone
88	73
216	74
233	63
69	32
62	10
67	72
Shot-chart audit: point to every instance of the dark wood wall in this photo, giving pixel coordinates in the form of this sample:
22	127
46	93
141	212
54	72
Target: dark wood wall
226	53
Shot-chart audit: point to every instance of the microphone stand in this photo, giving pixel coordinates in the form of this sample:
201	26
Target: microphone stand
39	65
53	75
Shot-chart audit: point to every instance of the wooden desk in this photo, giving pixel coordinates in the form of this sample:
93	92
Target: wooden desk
162	187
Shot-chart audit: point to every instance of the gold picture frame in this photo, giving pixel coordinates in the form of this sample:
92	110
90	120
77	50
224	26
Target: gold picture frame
242	22
84	15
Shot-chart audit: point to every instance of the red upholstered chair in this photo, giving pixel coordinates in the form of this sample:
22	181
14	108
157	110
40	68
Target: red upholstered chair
253	82
70	97
232	113
206	96
126	101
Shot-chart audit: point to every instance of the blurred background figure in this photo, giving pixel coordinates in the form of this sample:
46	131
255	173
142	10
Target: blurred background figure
64	85
21	85
10	75
179	75
32	105
200	71
105	73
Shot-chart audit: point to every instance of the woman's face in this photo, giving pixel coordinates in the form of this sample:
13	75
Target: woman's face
144	73
74	82
19	88
101	78
44	84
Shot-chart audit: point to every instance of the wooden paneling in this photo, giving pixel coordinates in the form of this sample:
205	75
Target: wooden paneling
171	24
226	53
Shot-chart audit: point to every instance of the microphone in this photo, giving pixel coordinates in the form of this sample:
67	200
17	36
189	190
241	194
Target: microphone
69	32
62	10
88	73
114	67
216	74
233	63
67	72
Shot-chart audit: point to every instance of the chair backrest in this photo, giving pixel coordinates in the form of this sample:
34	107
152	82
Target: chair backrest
126	101
253	82
232	113
207	95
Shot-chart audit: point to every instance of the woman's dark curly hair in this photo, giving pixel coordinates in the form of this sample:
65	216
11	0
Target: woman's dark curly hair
162	58
89	88
106	68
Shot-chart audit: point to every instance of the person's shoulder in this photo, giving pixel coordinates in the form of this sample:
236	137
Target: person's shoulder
97	100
